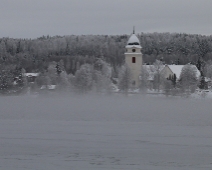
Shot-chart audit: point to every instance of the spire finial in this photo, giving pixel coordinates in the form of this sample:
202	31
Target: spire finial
133	29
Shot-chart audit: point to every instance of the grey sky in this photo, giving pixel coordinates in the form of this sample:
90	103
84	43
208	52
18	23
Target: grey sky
34	18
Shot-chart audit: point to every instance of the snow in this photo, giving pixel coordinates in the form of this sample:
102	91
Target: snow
31	74
133	46
133	39
50	87
207	79
105	132
176	69
200	94
152	70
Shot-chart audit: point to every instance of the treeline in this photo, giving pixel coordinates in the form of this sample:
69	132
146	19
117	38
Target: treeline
176	48
95	77
60	58
34	55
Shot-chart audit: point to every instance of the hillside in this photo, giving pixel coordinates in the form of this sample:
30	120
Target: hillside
35	54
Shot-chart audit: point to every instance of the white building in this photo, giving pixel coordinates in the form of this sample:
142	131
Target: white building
133	58
170	70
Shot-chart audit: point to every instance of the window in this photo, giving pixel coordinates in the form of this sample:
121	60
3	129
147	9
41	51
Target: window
133	50
133	60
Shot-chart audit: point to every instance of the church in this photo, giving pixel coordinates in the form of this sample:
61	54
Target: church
133	58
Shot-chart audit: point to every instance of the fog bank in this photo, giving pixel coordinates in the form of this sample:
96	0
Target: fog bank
136	108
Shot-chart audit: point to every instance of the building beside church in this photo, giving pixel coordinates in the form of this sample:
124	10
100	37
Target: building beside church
133	59
171	70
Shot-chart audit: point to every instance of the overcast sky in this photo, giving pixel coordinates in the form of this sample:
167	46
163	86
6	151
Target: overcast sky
34	18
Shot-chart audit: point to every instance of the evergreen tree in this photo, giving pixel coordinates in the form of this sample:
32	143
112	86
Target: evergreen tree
178	61
6	79
20	80
58	68
173	79
199	64
203	48
208	69
202	84
18	47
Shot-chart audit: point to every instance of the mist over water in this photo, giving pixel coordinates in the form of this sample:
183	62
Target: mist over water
137	108
105	132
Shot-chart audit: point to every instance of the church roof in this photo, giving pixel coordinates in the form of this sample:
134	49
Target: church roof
133	42
176	69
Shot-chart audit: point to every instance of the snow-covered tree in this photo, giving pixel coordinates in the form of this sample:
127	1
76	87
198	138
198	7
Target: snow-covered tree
43	79
188	78
208	69
101	75
63	81
124	78
203	48
52	73
144	78
157	66
6	79
84	78
167	86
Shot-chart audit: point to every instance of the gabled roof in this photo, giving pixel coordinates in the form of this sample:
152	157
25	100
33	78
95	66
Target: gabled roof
176	69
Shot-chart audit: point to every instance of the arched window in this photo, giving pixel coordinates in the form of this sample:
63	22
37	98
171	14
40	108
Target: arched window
133	60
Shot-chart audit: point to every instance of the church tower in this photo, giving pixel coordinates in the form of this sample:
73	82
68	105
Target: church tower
133	58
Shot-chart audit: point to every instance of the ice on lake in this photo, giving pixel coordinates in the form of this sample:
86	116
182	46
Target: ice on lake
94	133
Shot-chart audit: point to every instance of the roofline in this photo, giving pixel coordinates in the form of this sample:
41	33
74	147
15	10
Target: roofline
169	69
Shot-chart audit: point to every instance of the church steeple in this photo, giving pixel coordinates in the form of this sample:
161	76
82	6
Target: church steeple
133	58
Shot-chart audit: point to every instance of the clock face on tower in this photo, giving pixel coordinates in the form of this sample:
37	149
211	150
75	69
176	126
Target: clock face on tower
133	50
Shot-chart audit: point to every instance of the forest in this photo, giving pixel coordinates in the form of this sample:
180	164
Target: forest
69	53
